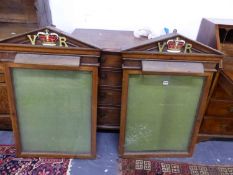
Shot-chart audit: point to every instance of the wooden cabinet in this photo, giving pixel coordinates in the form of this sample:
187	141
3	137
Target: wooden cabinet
164	95
110	71
48	87
20	16
218	120
110	81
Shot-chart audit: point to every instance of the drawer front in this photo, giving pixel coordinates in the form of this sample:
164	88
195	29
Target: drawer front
217	126
109	77
109	97
4	105
2	78
220	108
226	84
1	67
108	116
111	60
227	49
228	63
220	93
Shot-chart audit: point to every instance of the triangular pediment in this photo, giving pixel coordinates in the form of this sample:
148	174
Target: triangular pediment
48	37
173	43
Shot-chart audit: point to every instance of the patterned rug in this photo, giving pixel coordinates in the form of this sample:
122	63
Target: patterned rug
157	167
10	165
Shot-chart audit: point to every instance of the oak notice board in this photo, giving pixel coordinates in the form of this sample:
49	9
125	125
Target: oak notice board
161	111
52	88
53	109
165	88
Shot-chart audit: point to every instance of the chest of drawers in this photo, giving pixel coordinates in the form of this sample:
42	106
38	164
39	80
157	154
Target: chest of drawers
218	119
110	71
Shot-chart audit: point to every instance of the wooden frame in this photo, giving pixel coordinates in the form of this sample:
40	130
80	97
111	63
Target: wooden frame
196	126
81	57
14	116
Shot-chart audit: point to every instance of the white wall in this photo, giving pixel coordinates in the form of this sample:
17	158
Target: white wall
183	15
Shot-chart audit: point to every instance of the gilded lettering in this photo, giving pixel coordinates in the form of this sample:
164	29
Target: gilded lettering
161	47
188	48
32	39
62	42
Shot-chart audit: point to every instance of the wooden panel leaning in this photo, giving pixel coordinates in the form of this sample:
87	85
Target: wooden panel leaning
217	123
51	81
166	82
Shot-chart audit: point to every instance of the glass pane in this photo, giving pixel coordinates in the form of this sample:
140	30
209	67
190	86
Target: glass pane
54	110
161	112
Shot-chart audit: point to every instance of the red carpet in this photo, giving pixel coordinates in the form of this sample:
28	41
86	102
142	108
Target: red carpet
10	165
157	167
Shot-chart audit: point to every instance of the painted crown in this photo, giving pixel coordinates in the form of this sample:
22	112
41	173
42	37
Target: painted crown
175	45
48	39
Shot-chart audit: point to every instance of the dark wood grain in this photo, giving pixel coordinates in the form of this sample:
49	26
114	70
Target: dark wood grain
19	16
2	78
18	11
226	82
4	103
110	78
220	93
221	108
212	125
110	60
109	96
109	117
11	29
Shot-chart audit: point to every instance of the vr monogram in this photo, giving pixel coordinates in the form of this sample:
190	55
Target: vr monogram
48	39
175	46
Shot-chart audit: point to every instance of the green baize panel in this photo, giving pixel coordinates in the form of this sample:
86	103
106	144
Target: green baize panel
161	117
53	110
